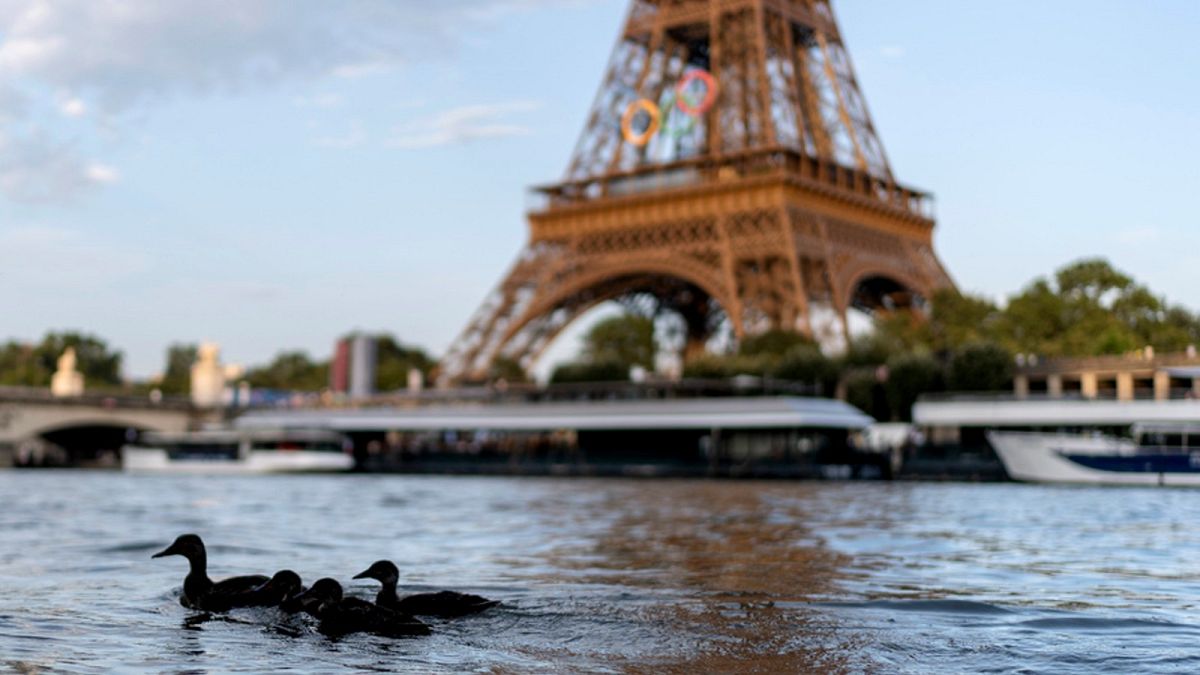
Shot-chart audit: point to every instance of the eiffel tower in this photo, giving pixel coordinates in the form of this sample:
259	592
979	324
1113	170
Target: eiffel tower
729	172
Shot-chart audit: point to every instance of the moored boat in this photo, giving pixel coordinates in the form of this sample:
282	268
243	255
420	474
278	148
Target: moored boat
1158	454
238	452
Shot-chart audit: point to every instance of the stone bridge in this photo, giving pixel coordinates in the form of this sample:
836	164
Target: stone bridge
37	428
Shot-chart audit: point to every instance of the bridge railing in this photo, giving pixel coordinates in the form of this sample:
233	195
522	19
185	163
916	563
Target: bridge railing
102	399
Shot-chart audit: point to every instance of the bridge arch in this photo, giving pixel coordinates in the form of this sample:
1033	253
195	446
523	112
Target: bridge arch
73	428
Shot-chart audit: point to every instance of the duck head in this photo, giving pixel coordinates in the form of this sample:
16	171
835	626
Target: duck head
324	593
382	571
187	545
285	582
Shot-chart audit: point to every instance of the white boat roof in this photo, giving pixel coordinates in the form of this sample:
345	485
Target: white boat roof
703	413
983	412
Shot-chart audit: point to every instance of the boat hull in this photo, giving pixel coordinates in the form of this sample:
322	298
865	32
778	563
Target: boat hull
1096	460
156	460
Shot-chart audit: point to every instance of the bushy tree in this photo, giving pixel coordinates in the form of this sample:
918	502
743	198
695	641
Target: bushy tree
627	339
393	361
590	371
177	377
507	369
909	376
100	365
291	371
980	366
775	343
806	364
33	365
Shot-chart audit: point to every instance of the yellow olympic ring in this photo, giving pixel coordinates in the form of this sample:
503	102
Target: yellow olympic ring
652	110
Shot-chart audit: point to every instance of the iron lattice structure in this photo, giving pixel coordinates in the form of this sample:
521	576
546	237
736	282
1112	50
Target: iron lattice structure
729	170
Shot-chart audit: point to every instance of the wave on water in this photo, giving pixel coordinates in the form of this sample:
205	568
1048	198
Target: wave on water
938	606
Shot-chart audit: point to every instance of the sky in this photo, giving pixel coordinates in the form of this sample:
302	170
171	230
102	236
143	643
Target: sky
271	174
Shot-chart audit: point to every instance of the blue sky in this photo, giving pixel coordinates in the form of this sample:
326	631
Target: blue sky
270	174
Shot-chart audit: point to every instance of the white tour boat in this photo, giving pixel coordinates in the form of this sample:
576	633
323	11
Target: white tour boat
1158	454
238	452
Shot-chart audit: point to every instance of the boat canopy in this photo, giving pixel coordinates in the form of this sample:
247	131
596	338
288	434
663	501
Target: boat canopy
1043	412
704	413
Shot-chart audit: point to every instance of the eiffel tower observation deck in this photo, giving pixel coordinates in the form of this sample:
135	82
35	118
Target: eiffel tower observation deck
728	173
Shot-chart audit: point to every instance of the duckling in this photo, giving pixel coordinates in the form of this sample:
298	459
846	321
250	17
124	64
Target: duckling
340	615
278	591
443	604
200	592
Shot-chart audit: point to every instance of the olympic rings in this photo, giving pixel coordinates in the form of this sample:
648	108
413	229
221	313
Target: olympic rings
652	128
710	92
681	102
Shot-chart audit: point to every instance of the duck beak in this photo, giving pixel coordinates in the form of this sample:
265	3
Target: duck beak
170	550
364	575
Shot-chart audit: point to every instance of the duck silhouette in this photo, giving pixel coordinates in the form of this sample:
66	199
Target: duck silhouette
443	604
339	615
200	592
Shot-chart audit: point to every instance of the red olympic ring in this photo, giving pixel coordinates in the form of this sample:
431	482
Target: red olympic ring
710	96
627	122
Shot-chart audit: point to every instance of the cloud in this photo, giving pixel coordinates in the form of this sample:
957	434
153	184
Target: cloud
462	125
41	169
892	52
101	173
73	107
128	55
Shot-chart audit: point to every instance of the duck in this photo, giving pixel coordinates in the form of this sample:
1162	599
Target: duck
443	604
200	592
279	591
339	615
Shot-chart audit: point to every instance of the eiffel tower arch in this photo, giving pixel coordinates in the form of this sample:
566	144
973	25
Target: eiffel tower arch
729	172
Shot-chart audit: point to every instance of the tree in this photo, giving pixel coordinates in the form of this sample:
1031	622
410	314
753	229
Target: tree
980	366
21	367
291	371
909	376
100	366
627	339
177	378
508	369
806	364
775	343
393	361
590	371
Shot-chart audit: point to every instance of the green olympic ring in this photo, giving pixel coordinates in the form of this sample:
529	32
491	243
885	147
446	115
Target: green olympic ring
681	101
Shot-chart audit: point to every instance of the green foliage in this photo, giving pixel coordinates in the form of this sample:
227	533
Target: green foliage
1088	309
291	371
590	371
21	367
980	366
909	376
177	378
33	365
394	359
507	369
627	339
863	391
1092	309
806	364
774	343
723	367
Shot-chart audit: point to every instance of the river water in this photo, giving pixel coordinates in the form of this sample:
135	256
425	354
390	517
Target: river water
611	575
